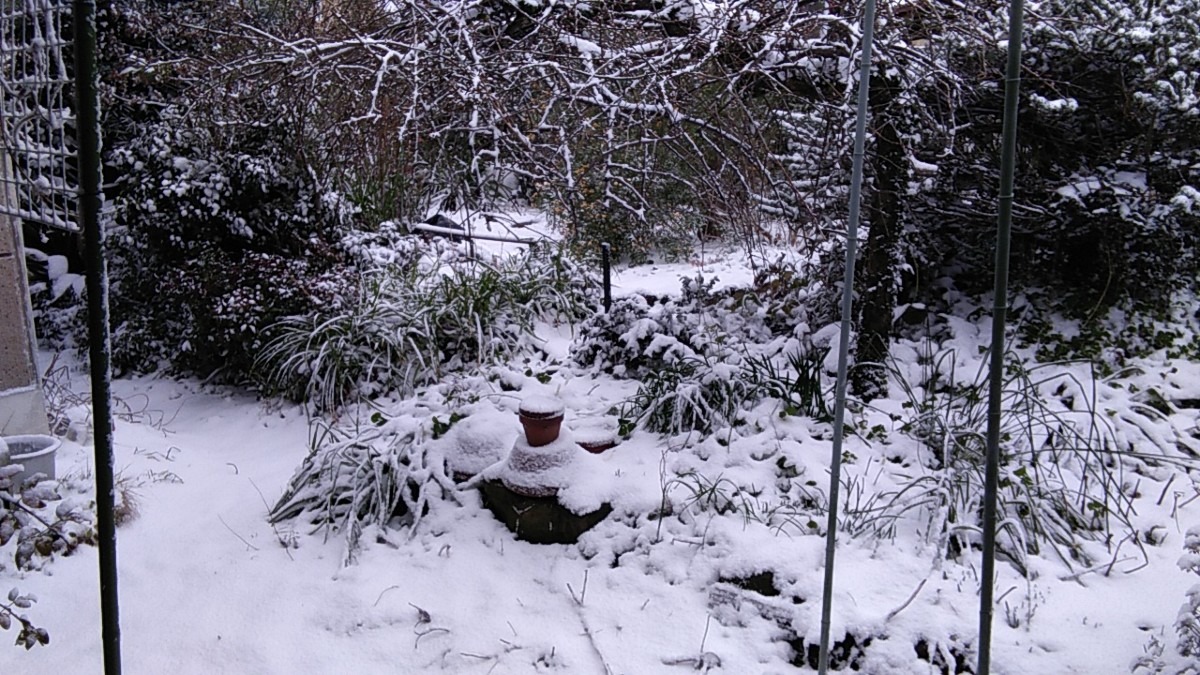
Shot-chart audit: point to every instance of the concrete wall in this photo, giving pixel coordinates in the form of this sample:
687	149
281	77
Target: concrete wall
22	408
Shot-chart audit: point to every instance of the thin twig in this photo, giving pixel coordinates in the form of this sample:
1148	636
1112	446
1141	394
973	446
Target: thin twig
1094	568
892	614
381	593
583	592
421	634
16	503
422	615
1166	487
240	538
587	631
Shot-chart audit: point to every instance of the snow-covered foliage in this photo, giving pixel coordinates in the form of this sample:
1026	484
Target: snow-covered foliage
1158	659
644	126
1083	459
1102	216
690	393
355	478
641	333
1103	213
217	226
1187	626
409	323
39	520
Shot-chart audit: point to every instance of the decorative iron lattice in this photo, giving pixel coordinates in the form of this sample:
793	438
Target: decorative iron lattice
39	179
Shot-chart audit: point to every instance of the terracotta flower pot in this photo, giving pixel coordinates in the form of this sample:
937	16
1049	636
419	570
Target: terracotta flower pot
541	431
542	418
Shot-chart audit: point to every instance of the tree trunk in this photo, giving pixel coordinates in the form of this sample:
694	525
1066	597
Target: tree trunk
877	282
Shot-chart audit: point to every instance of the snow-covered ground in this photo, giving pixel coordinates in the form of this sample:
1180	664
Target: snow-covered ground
208	586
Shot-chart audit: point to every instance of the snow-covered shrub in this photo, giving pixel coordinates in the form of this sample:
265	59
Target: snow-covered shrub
633	336
558	286
395	467
211	314
211	245
218	222
55	295
703	356
1158	658
1061	477
406	325
690	393
641	333
1111	339
356	477
793	377
29	635
1187	624
1104	214
42	522
786	296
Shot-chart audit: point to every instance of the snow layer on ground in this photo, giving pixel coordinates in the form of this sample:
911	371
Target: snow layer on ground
208	586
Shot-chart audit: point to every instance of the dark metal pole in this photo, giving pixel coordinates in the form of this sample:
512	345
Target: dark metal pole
606	264
88	117
1008	161
839	408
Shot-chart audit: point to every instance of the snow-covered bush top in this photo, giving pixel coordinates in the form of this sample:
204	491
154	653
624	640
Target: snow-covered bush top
481	439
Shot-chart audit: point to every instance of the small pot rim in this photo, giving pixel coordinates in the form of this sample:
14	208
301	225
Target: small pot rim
540	406
51	447
540	417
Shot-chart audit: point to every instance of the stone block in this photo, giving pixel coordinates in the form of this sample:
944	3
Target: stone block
17	361
8	237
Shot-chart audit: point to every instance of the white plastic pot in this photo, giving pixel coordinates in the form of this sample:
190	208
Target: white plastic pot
35	452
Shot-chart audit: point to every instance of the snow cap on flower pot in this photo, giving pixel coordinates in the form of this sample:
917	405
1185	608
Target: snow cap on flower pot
542	417
595	435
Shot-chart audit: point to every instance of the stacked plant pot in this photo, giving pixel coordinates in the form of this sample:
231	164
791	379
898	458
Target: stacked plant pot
541	463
